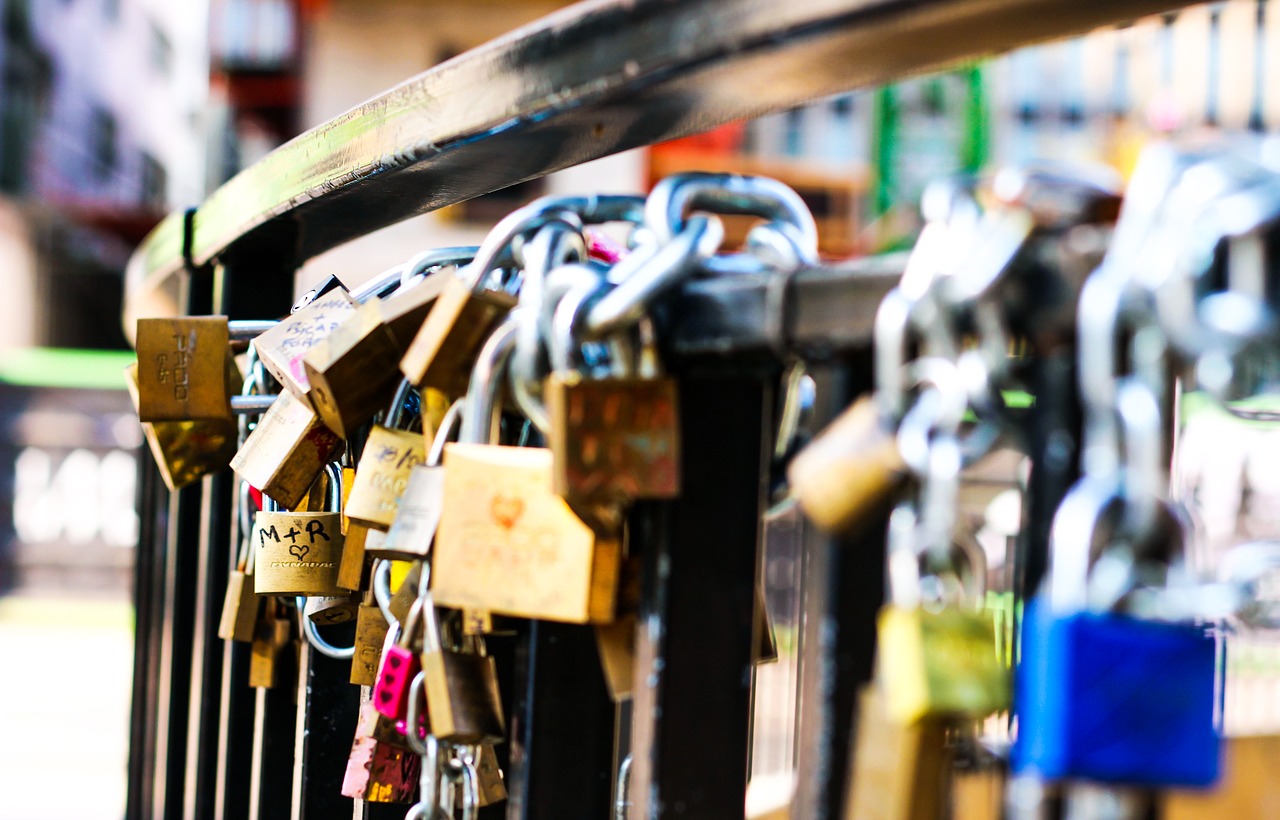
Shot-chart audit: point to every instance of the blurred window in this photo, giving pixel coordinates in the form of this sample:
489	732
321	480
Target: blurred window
103	140
155	182
161	51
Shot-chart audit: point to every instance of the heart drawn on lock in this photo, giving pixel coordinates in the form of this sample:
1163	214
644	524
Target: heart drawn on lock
506	510
299	551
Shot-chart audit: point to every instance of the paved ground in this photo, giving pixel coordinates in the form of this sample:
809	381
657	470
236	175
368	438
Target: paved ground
65	671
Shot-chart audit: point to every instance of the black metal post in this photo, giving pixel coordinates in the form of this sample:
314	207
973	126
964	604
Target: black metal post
692	694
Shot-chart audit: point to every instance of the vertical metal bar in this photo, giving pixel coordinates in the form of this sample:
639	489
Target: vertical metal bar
271	786
148	594
204	709
562	727
691	701
842	588
327	709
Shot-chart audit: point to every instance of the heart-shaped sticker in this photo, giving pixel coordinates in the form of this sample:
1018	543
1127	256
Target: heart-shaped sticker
506	510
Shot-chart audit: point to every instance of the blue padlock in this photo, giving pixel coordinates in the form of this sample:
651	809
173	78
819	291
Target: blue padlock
1106	697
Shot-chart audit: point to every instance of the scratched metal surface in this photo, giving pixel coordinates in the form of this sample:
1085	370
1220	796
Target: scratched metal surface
593	79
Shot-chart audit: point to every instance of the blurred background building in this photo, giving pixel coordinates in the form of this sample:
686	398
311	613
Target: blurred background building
115	112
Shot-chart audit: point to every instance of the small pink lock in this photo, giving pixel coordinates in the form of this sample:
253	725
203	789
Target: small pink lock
400	664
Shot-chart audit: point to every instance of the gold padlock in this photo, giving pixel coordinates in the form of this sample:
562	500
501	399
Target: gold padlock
354	567
354	371
241	604
461	687
286	452
383	473
283	347
899	771
852	466
269	664
185	371
185	451
371	633
418	513
298	552
507	543
462	316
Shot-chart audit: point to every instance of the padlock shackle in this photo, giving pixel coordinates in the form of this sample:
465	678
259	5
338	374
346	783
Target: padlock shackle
486	378
418	266
312	634
395	414
449	427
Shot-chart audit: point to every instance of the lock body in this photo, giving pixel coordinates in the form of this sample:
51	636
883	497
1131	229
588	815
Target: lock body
941	663
385	465
900	771
240	607
445	347
391	693
417	516
185	451
185	372
1111	698
378	771
848	470
283	347
285	453
462	697
353	372
371	633
613	439
297	553
507	543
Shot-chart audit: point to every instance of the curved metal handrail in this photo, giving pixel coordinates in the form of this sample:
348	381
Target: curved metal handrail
590	80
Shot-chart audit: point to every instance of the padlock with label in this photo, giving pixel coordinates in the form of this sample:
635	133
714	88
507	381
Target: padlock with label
185	451
298	553
461	686
506	542
283	347
420	507
185	371
377	771
286	452
389	456
615	438
852	466
1106	696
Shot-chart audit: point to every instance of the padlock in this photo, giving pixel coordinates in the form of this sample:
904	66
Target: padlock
1106	696
899	771
185	371
286	452
298	553
354	371
325	610
615	438
463	315
241	604
282	348
940	663
403	578
400	663
418	514
371	634
389	456
852	466
616	643
461	687
489	779
268	656
506	542
353	568
185	451
377	771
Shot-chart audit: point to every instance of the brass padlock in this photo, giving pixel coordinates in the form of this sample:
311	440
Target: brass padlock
899	771
185	451
185	371
282	348
354	371
353	569
461	687
489	779
389	456
849	469
298	552
325	610
461	318
418	515
615	438
506	542
268	657
286	452
241	604
371	633
616	643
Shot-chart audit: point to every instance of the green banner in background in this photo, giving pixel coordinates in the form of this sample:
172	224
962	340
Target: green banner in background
64	367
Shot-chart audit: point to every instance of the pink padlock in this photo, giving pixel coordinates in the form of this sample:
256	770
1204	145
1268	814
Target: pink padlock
400	663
